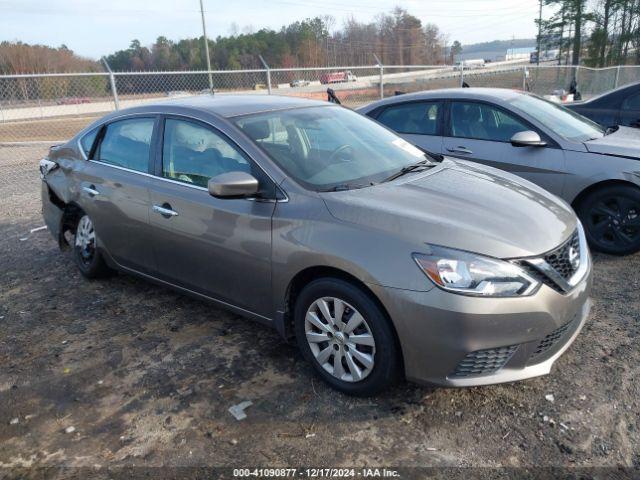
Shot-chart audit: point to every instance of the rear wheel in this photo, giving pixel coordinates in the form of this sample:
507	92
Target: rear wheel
344	334
85	251
611	217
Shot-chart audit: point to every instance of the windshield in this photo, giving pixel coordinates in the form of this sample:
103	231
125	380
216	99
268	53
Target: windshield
557	118
327	147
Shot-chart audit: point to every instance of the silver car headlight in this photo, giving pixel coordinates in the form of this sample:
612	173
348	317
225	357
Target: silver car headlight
468	273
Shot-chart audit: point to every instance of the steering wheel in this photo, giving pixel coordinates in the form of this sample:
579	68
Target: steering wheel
338	150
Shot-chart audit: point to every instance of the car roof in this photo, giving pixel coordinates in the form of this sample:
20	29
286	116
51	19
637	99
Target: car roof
473	93
228	105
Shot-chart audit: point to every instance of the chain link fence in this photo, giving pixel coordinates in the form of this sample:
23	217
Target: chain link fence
37	111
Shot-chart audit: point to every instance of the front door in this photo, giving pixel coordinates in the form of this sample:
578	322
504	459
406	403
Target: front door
113	187
481	133
217	247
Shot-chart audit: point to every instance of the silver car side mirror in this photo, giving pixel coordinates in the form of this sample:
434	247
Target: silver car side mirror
233	185
528	138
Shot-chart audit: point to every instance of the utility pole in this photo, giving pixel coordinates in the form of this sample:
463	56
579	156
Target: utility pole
539	32
206	47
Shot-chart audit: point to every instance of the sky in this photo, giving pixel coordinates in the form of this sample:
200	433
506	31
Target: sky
94	28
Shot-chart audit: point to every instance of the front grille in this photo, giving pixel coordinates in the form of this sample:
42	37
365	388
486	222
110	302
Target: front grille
483	362
550	340
556	268
560	258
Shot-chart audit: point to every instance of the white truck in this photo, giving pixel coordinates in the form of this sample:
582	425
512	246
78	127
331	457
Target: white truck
470	64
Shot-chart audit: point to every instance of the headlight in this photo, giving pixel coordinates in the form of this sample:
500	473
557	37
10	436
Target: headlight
471	274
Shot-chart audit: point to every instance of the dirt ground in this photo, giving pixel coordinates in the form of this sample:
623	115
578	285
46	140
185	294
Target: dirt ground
145	377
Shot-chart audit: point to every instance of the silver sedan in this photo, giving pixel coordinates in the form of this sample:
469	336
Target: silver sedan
596	170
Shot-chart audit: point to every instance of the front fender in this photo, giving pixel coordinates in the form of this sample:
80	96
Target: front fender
306	235
589	169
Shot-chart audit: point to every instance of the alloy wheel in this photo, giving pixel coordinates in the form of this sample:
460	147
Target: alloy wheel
340	339
85	239
615	221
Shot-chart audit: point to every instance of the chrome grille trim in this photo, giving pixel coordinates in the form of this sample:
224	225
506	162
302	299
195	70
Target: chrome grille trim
554	268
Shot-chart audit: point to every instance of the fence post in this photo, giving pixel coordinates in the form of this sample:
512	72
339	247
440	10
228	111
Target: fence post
268	71
112	81
524	78
615	83
461	73
381	67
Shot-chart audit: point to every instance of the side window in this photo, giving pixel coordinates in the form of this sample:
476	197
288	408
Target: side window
127	143
193	153
632	102
86	142
483	122
417	117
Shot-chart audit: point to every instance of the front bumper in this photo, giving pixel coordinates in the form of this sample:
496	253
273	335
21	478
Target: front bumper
462	341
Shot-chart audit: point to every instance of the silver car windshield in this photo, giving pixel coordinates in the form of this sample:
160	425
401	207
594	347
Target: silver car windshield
326	148
558	119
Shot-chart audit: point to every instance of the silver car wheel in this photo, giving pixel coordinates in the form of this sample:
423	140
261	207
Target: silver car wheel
85	239
340	339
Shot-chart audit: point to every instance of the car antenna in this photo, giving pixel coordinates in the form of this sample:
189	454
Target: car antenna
399	92
331	97
465	85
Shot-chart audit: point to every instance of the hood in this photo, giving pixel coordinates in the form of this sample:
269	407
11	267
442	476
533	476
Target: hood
461	205
623	142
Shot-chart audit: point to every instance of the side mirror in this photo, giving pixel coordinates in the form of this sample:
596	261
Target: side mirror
233	185
527	138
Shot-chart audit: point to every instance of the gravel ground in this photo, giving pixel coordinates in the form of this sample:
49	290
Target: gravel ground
145	377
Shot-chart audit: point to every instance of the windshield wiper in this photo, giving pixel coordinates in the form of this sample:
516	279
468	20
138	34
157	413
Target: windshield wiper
610	130
410	168
347	186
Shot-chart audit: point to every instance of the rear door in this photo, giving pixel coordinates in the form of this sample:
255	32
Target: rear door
481	132
113	188
418	122
218	247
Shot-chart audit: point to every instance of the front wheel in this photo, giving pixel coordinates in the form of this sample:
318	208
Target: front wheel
346	337
611	218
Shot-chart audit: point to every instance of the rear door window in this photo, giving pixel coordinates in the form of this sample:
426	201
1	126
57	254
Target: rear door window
419	118
127	144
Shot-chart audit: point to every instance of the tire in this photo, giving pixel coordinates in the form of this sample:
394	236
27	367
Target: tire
611	218
87	257
353	356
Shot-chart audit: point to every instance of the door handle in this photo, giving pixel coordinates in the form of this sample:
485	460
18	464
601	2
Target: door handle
165	210
460	149
91	190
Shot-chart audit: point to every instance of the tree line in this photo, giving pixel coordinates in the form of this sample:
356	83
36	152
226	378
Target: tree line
396	37
597	33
